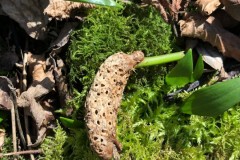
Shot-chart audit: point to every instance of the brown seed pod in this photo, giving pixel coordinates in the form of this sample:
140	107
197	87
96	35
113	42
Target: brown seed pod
103	101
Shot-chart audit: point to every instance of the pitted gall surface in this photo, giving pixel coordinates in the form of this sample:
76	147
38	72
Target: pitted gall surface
103	101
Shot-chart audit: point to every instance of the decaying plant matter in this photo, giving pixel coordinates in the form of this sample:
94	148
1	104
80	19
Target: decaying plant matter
61	9
200	27
35	18
232	7
103	101
33	21
208	6
43	84
169	11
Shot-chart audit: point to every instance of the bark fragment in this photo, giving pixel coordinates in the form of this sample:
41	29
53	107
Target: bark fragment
103	101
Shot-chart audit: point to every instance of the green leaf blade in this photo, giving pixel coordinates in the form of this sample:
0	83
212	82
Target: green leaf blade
70	123
181	74
198	70
213	100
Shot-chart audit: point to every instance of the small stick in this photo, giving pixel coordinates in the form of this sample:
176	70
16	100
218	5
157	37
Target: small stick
24	88
22	152
14	139
13	118
14	99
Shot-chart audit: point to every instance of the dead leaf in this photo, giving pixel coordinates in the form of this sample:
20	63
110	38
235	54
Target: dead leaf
232	7
43	83
63	37
61	9
197	26
29	15
208	6
37	66
175	7
6	102
61	82
225	19
212	57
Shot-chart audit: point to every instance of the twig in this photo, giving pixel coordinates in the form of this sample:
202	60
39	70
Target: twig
14	97
13	94
22	152
14	136
24	88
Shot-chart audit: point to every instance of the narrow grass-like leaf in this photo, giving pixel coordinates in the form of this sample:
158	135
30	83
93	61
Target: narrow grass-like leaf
110	3
198	70
181	74
70	123
213	100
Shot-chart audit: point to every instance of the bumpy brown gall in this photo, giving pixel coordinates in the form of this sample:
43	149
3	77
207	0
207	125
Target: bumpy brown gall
103	101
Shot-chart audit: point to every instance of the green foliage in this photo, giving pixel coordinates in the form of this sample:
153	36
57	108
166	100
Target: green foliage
77	146
110	3
151	129
183	72
107	31
8	147
213	100
53	146
71	123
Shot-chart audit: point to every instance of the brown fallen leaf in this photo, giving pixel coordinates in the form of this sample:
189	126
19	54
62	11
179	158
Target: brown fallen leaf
208	6
61	83
212	57
225	19
37	66
175	7
6	102
61	9
29	15
232	7
197	26
43	83
63	37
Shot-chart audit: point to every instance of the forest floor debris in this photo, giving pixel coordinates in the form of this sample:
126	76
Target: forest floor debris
35	67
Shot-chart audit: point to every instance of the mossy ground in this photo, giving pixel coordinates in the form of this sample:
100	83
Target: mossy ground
148	126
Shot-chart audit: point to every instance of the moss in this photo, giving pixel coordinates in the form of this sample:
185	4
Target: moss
107	31
53	146
77	147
